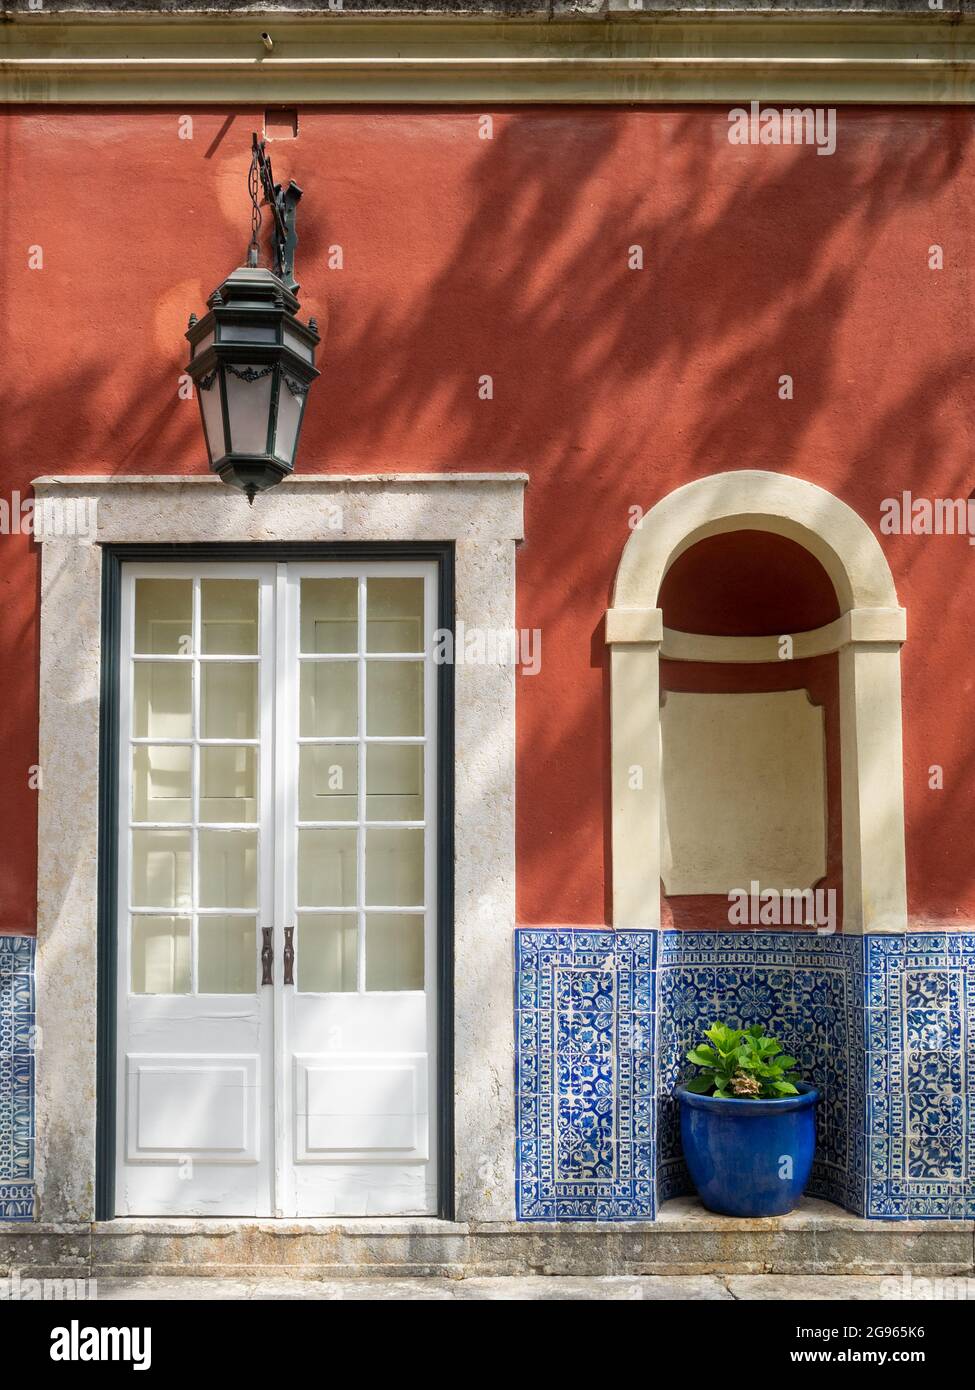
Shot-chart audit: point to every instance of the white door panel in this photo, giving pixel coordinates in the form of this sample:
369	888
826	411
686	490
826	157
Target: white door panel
206	1107
363	1108
278	789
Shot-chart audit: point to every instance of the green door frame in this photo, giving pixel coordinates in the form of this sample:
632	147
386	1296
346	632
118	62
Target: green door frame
113	558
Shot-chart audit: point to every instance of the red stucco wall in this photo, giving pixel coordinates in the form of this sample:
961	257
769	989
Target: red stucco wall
508	257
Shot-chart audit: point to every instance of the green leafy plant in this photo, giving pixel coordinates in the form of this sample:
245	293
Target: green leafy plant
741	1064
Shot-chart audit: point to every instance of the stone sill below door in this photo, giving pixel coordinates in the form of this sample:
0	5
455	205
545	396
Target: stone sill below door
684	1239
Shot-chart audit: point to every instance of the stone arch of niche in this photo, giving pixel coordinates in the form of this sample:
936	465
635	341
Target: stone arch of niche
868	636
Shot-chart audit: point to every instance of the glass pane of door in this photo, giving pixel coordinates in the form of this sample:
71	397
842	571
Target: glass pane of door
356	686
194	888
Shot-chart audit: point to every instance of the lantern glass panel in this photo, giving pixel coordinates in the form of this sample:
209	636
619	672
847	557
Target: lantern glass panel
213	419
203	344
289	418
248	333
298	345
248	405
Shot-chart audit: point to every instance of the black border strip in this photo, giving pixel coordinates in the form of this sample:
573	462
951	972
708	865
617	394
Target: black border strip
107	958
442	552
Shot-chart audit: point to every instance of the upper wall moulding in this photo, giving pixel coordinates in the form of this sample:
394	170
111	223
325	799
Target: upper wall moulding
541	8
556	51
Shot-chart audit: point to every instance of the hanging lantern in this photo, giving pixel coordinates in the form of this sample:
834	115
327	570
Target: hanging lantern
252	360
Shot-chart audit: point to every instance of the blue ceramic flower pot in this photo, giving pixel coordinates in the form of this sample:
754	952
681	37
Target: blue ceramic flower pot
749	1157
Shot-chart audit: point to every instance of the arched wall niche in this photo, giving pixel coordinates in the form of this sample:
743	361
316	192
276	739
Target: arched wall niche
867	636
713	742
745	584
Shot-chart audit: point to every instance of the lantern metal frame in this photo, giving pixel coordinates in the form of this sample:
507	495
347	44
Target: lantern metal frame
252	316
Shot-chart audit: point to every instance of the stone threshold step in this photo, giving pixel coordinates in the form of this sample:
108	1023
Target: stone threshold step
817	1238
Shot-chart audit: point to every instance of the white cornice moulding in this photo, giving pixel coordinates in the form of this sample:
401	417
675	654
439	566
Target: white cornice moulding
620	57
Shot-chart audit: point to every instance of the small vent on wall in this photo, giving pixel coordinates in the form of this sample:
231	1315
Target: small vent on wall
281	123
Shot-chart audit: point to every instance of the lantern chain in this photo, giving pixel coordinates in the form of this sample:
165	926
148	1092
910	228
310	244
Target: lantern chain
254	188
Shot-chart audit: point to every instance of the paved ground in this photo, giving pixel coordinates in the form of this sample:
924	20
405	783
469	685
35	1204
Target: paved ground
698	1286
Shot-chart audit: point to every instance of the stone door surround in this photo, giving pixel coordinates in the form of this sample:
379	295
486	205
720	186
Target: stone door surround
482	514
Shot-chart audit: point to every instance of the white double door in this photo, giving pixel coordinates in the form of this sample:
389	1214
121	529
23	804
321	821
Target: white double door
277	913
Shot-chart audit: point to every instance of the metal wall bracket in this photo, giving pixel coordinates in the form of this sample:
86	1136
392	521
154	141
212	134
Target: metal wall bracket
283	203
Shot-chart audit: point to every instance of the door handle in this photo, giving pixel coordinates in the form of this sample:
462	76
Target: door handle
267	956
289	955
